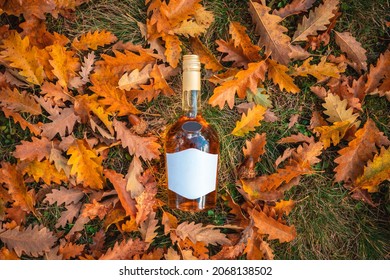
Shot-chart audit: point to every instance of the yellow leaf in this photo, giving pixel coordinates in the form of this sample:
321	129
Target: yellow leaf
86	165
93	40
46	171
65	64
278	73
320	71
242	40
173	49
332	134
22	55
249	121
205	56
337	110
375	172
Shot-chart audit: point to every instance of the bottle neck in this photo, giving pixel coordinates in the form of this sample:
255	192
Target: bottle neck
191	93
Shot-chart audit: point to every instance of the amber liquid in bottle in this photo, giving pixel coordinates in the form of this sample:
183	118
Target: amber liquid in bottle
191	131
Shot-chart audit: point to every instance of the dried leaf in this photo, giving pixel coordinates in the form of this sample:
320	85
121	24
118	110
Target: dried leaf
320	71
375	172
332	134
317	20
125	250
93	40
378	73
242	41
336	110
353	49
19	101
249	121
133	184
272	228
62	123
148	228
272	33
86	165
146	201
243	80
278	73
135	78
33	241
36	149
205	56
293	8
255	147
199	233
350	163
46	171
70	250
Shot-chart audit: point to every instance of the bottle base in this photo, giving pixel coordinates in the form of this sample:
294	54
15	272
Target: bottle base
203	203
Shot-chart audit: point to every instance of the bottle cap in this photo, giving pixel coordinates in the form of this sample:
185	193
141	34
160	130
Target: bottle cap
191	62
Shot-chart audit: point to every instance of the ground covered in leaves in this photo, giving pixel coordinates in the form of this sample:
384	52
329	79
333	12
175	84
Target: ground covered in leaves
298	91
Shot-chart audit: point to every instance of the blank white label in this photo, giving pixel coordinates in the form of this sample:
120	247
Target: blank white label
192	173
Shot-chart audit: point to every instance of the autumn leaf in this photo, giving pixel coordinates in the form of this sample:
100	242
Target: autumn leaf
33	241
353	49
65	64
249	121
272	228
94	209
242	41
64	196
93	40
378	74
244	79
272	33
255	147
145	147
70	250
284	206
19	101
133	185
86	165
199	233
351	159
148	228
336	110
29	9
135	78
320	71
375	172
62	123
169	222
317	20
36	149
332	134
46	171
278	73
146	201
205	56
295	7
23	56
125	250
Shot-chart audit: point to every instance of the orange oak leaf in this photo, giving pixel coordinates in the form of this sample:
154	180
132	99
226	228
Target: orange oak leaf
378	74
125	250
332	134
284	207
146	202
317	20
46	171
64	196
23	56
145	147
72	211
70	250
133	184
93	40
350	163
6	254
36	149
160	83
278	73
19	101
242	41
375	172
169	222
296	138
272	33
63	121
320	71
200	233
94	209
249	121
243	80
295	7
232	53
33	241
148	228
255	147
205	55
56	93
65	64
29	9
34	128
353	49
86	165
119	183
12	177
272	228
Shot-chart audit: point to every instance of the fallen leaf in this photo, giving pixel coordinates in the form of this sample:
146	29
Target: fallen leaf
353	49
249	121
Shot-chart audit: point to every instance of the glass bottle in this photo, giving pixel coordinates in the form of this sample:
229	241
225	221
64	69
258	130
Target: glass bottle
192	149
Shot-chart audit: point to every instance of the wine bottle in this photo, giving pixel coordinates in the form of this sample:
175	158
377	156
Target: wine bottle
191	149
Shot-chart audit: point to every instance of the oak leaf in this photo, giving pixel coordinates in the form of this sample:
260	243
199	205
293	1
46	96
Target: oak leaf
273	228
19	101
272	33
284	207
293	8
33	241
12	177
233	54
375	172
336	110
94	209
70	250
242	41
46	171
56	93
351	160
378	74
145	147
255	147
125	250
169	222
22	55
278	73
93	40
34	128
29	9
86	165
146	202
320	71
64	196
62	123
65	64
133	185
353	49
332	134
135	78
317	20
243	80
205	56
200	233
249	121
148	228
36	149
119	183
